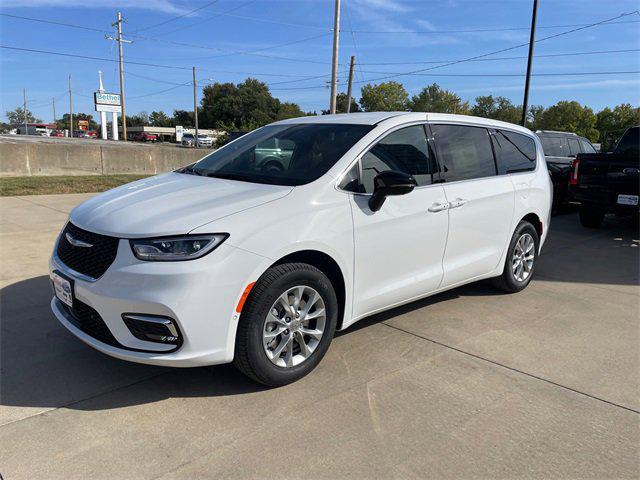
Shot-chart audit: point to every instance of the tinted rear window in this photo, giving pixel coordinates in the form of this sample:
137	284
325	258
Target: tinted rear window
554	146
464	152
516	152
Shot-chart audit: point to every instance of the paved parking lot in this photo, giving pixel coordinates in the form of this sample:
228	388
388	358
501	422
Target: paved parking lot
471	383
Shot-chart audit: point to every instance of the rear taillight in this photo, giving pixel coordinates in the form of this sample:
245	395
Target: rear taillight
573	178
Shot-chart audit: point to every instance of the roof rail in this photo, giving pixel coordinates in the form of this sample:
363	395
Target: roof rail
556	131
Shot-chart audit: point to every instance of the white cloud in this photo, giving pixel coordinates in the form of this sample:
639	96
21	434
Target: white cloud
166	6
388	5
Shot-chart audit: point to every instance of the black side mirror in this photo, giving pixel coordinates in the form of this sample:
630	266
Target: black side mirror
387	184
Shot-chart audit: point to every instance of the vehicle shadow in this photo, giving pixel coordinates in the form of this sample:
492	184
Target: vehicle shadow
43	365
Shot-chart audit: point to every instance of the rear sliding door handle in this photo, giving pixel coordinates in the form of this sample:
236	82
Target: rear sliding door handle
438	207
458	202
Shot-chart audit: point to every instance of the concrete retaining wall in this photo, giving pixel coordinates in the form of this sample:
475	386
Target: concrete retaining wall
26	159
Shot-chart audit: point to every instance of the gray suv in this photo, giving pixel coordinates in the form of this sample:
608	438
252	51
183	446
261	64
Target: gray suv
560	149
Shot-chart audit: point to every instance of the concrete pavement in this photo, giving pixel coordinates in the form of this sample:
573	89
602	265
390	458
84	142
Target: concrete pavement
471	383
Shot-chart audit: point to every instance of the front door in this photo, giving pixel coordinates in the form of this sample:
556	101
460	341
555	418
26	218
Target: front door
481	203
399	248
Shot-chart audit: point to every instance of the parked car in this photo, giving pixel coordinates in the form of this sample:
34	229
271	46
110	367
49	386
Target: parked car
57	133
560	148
229	261
608	182
145	137
189	140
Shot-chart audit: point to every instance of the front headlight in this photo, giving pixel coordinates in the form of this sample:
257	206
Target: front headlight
171	249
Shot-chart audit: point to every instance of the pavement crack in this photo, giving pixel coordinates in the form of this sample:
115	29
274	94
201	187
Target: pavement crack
513	369
41	205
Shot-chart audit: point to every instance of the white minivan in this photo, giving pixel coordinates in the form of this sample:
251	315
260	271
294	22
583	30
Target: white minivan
229	261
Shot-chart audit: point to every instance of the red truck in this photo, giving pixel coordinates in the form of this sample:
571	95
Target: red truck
145	137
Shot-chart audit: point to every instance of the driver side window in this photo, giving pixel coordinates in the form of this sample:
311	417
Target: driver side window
405	150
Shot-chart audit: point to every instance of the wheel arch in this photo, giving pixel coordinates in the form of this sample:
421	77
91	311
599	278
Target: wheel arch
327	265
534	220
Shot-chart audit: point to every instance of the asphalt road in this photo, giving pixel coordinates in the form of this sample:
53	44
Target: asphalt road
471	383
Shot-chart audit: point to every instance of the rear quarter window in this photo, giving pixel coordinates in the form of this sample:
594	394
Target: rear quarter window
515	152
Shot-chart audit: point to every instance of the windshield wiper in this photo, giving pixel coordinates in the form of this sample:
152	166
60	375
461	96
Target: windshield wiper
189	170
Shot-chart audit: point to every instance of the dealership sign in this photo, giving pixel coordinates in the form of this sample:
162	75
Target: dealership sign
107	102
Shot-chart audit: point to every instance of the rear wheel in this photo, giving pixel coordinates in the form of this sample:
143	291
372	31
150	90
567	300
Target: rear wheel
521	259
591	216
286	325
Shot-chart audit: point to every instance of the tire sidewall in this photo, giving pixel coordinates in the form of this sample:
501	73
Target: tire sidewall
258	310
514	284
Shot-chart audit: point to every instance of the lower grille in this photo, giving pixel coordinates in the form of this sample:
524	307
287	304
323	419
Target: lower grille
90	322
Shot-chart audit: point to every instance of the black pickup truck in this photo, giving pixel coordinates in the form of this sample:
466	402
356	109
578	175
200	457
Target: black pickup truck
607	182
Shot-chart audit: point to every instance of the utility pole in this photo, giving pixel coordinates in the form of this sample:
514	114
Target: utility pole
53	102
70	110
351	66
26	126
195	105
532	39
334	66
118	25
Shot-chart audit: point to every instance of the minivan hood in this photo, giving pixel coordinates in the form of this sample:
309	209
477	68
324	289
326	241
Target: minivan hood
169	204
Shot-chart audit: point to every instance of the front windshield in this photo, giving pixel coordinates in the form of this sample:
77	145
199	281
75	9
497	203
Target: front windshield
282	154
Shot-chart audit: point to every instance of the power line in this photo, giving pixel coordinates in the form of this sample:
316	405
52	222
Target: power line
210	18
172	19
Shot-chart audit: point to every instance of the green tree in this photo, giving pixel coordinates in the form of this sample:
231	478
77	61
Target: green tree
384	97
138	120
570	116
497	108
341	105
436	99
612	123
289	110
534	117
160	119
17	116
183	118
244	106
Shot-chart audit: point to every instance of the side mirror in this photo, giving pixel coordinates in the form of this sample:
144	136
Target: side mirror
389	183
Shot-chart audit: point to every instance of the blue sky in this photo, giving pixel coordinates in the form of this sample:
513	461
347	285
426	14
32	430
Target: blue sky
217	33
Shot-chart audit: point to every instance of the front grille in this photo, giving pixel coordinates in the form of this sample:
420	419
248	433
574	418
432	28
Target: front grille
90	322
92	261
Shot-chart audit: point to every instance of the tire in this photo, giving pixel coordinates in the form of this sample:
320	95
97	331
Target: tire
591	216
508	281
251	356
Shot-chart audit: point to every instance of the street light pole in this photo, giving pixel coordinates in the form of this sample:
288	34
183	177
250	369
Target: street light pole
532	39
334	66
70	110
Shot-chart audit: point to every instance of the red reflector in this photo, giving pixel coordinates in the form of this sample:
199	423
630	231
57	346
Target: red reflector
573	178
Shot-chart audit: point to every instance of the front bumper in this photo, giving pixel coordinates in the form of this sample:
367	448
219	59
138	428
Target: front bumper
200	295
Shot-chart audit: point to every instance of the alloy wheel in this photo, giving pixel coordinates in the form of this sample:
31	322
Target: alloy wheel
294	326
523	257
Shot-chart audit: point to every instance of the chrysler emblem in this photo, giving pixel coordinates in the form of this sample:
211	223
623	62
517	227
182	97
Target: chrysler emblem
631	171
75	242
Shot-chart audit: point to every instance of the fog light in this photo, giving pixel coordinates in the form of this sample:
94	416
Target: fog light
153	328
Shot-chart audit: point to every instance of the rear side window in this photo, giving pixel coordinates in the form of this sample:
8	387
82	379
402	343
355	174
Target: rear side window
464	152
586	146
555	146
574	146
515	152
405	150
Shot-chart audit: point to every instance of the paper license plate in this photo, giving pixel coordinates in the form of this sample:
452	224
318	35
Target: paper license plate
627	199
63	289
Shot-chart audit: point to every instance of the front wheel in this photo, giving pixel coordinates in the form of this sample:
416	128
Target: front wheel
286	324
521	259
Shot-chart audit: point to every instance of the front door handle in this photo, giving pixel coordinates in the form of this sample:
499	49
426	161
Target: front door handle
438	207
458	202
